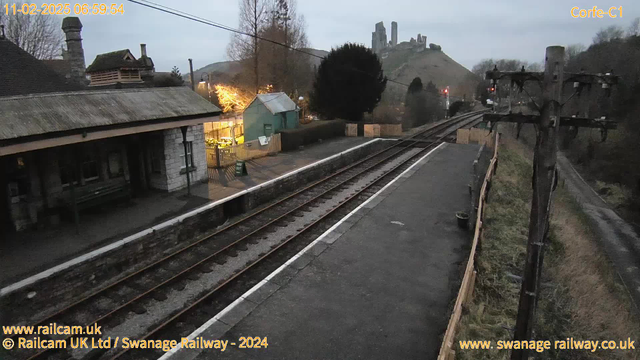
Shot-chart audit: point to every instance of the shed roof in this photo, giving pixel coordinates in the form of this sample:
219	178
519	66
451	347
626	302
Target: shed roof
277	102
21	73
40	114
116	60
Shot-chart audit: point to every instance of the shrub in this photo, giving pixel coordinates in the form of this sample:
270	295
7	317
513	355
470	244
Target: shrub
310	133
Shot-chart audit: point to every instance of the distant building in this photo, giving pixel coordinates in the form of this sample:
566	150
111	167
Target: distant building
267	114
379	38
380	46
121	67
394	33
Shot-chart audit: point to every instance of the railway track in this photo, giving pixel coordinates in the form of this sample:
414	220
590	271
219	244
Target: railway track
163	300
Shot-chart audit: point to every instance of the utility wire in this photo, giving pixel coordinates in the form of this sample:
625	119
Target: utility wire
195	18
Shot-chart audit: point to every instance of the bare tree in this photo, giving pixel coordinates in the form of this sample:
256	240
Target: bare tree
607	34
39	35
634	28
282	67
288	70
245	48
572	51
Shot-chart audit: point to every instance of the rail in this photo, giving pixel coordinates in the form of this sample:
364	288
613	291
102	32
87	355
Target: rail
469	278
449	127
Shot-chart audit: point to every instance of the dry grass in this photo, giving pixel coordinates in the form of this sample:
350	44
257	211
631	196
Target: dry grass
581	295
616	195
600	306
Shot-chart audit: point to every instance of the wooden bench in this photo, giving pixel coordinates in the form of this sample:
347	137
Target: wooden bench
99	195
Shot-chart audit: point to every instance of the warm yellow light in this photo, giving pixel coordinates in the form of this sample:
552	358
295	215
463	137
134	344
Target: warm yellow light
230	124
234	99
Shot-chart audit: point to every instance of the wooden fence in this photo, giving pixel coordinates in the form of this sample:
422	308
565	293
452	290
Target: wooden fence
468	281
473	136
221	157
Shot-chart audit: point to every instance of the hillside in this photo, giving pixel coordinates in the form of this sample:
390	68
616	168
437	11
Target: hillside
404	65
401	64
225	70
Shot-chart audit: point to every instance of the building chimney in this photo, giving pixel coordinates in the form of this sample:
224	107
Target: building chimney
143	50
75	54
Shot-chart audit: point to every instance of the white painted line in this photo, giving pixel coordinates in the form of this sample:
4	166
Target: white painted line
90	255
243	297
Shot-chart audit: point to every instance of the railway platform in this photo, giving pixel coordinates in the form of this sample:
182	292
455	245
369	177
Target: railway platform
376	285
29	252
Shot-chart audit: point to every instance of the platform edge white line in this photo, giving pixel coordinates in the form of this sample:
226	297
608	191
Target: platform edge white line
90	255
242	298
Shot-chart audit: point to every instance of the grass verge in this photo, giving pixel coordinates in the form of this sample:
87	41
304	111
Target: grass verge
581	293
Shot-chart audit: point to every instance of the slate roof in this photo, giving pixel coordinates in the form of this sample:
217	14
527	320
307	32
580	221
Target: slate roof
277	102
60	66
21	73
41	114
115	60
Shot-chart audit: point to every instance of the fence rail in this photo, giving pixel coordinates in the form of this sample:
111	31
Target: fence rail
468	281
221	157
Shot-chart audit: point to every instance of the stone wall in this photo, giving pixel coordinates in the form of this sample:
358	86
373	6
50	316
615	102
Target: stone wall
174	163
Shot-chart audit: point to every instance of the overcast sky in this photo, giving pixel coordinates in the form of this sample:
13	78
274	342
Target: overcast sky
467	30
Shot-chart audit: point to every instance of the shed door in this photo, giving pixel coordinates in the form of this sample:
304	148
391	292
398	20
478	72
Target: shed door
268	130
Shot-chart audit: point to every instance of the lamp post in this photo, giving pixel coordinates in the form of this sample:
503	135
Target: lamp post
301	105
203	81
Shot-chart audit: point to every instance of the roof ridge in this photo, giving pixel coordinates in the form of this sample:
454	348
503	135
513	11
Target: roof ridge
85	92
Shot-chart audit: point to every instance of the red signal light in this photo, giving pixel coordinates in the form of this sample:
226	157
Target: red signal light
445	91
493	89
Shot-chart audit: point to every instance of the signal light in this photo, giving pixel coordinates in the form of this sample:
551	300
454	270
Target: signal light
493	89
446	91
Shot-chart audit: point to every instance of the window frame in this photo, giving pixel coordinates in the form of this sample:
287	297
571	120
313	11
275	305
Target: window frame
189	154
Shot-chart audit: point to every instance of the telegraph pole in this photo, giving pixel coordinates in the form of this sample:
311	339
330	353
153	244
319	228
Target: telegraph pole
544	166
544	176
193	85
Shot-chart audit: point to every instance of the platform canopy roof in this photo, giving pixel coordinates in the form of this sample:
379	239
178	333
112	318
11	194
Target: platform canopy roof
278	102
54	115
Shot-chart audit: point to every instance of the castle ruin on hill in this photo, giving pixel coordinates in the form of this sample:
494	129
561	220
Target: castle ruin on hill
379	43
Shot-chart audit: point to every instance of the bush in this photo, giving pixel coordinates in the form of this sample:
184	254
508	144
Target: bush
384	114
310	133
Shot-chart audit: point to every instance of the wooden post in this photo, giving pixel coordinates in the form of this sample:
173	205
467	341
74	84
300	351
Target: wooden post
193	84
74	204
217	148
544	173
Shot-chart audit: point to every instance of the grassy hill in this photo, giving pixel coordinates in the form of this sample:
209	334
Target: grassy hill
404	65
401	64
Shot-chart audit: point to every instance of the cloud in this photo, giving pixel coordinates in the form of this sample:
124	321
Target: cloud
467	30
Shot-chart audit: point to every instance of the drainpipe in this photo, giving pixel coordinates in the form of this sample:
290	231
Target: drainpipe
186	158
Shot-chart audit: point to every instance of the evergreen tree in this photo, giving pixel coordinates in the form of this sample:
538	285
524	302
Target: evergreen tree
348	83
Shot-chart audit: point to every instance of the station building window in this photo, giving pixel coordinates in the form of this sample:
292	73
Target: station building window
18	180
189	156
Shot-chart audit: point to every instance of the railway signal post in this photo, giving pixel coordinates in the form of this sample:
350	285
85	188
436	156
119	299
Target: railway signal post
544	167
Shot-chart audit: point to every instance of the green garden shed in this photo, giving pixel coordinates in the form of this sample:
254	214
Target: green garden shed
267	114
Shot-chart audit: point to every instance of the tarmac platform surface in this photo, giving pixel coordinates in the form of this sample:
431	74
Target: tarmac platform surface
377	286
